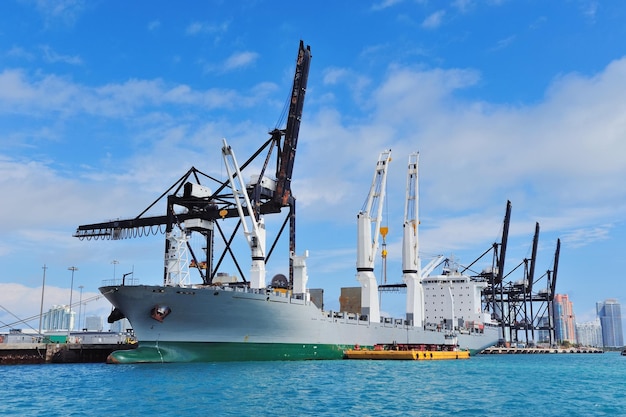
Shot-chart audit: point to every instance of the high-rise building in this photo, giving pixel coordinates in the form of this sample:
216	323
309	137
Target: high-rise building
121	326
589	334
59	318
564	320
93	323
610	315
542	334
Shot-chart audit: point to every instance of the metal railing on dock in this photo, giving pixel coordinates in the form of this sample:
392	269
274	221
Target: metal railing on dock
35	353
495	350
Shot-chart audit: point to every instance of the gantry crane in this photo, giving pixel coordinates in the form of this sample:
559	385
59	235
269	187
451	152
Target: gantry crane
196	201
523	306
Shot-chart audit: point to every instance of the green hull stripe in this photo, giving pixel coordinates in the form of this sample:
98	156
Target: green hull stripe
150	352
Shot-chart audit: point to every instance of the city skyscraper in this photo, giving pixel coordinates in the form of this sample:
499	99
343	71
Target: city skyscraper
564	321
589	334
59	318
93	323
610	315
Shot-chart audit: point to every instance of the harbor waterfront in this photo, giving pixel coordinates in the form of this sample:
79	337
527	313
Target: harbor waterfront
38	353
485	385
79	347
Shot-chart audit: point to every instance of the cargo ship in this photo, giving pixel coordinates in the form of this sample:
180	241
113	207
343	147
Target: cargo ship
240	316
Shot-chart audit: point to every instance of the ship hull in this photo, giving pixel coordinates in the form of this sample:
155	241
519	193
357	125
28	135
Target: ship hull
201	323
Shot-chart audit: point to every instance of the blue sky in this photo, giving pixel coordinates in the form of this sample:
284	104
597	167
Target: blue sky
103	105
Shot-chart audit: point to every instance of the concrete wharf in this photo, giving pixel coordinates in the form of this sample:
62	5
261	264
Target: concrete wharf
495	350
34	353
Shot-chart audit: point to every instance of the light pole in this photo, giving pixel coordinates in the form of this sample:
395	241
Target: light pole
69	319
80	308
43	285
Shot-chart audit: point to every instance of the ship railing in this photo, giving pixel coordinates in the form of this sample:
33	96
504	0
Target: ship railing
344	316
293	300
119	281
393	322
360	319
433	327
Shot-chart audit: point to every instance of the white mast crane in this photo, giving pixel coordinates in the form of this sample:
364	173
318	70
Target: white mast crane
412	271
368	246
255	232
411	264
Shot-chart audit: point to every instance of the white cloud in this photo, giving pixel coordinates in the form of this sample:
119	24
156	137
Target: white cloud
20	53
434	20
583	237
21	93
503	43
199	28
335	75
54	57
239	60
66	12
590	9
463	6
154	25
385	4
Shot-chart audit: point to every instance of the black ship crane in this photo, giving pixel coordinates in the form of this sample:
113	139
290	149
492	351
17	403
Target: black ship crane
548	324
197	201
537	314
519	297
531	280
524	306
493	298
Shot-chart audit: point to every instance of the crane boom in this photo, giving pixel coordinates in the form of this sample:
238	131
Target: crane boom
557	254
411	265
533	259
255	231
288	152
410	247
367	246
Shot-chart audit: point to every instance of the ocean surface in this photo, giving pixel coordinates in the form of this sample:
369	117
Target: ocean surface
484	385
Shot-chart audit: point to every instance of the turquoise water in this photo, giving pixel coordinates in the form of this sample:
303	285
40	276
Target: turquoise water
490	385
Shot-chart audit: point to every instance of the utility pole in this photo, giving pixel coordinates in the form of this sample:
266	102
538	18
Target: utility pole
69	319
80	308
43	285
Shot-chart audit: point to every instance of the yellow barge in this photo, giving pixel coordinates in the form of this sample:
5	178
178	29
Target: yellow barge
398	353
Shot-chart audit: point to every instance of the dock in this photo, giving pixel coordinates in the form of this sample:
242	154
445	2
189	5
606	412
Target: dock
38	353
496	350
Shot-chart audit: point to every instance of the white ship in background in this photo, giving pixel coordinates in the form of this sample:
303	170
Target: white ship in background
230	318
